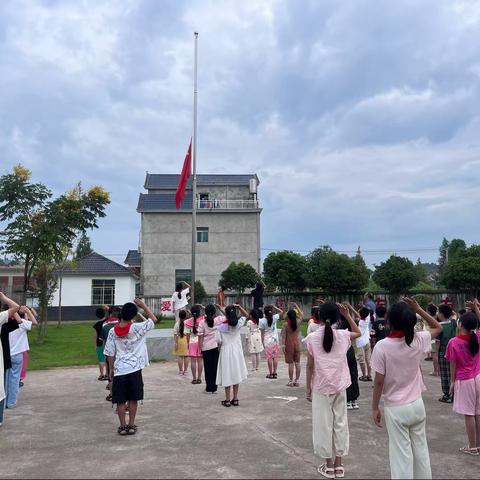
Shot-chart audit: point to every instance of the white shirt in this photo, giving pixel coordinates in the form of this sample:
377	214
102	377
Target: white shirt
271	333
364	339
312	327
130	351
18	338
181	302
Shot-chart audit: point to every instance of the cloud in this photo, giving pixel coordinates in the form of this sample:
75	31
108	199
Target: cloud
362	121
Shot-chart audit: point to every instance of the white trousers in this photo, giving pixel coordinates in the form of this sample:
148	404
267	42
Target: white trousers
408	449
330	425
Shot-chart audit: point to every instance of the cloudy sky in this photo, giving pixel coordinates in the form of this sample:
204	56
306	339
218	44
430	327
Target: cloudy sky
361	117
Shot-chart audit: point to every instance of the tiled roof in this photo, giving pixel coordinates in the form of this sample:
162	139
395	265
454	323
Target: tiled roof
133	258
162	201
157	181
96	264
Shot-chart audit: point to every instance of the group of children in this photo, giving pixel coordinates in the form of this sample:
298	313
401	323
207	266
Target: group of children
15	323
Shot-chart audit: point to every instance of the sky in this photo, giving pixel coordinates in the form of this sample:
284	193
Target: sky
361	117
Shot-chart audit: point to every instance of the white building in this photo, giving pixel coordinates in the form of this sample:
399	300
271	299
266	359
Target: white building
94	280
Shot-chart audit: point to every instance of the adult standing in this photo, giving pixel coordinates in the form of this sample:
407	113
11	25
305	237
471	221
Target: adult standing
180	298
369	303
221	297
257	294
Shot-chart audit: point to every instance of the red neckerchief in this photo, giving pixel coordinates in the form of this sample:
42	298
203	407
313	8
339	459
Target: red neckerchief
122	331
396	334
464	336
315	320
111	320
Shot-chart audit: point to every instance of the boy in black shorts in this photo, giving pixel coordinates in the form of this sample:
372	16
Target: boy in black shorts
126	350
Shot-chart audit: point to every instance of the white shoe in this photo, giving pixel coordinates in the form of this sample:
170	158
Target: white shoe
349	406
355	405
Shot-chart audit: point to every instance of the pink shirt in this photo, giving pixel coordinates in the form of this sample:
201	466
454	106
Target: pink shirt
466	366
400	364
331	374
209	337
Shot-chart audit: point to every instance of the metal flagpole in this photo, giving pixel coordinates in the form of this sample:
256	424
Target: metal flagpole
194	171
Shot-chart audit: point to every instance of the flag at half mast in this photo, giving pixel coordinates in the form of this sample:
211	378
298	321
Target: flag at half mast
184	176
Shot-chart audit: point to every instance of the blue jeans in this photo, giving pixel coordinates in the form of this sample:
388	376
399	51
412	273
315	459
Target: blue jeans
12	386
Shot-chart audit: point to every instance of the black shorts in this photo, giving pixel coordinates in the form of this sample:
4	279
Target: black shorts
127	387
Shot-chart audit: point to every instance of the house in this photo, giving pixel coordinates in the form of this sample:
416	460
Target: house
11	280
94	280
228	230
133	261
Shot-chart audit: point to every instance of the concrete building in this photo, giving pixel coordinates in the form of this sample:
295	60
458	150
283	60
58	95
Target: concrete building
95	280
11	280
228	230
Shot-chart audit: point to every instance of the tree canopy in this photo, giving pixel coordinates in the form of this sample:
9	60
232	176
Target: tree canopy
84	247
463	271
238	277
285	271
396	275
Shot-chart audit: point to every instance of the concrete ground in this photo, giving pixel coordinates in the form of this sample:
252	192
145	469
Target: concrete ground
64	428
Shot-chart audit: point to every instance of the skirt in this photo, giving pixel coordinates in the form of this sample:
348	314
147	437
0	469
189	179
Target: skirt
466	398
232	369
193	350
182	347
255	344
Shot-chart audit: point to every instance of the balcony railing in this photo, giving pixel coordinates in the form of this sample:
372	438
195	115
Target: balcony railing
217	204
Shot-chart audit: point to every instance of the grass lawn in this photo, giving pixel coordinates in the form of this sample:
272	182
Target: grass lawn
69	345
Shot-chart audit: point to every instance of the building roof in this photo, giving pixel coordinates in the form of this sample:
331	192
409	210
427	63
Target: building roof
162	201
155	181
96	264
133	259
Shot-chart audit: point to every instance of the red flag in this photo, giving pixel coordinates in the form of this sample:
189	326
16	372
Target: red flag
186	172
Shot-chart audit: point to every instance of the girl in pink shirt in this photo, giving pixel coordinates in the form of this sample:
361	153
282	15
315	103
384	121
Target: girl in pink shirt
194	352
328	377
462	353
396	361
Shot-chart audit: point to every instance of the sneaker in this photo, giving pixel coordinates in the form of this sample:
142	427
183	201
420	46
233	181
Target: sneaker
349	406
355	405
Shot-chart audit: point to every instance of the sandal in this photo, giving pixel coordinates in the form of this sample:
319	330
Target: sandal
269	376
470	451
226	403
274	375
131	429
339	472
445	399
235	403
369	378
108	398
290	384
100	378
325	471
193	382
296	384
363	378
309	399
122	431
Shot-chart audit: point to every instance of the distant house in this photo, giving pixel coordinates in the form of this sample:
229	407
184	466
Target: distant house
134	261
228	230
94	280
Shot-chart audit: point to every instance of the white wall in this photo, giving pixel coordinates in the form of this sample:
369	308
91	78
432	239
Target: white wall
77	290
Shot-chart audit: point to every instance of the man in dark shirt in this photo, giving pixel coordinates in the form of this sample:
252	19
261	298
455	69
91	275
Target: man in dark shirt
379	329
257	294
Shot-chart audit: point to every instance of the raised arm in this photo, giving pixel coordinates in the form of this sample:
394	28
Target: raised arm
12	306
221	309
29	314
435	327
352	310
355	331
300	311
140	303
278	310
242	310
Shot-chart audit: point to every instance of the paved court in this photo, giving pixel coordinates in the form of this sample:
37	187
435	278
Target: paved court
63	428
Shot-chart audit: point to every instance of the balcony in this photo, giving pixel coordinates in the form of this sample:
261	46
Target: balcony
218	204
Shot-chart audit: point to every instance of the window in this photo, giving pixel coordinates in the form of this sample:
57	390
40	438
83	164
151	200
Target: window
183	276
202	234
103	292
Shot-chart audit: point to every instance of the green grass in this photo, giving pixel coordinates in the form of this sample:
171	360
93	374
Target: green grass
71	344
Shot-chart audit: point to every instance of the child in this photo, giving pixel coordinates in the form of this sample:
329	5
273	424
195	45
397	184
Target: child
18	344
313	323
194	352
268	327
180	298
181	343
398	377
449	330
232	369
97	326
108	324
364	350
379	326
328	377
462	353
255	345
291	345
208	345
432	310
126	346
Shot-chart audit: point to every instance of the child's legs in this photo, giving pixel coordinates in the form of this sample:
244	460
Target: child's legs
185	364
235	392
180	364
193	366
121	409
132	411
12	386
361	359
199	367
275	364
322	426
270	365
258	360
368	354
24	366
436	369
471	427
227	394
477	429
418	438
340	424
444	372
291	366
298	371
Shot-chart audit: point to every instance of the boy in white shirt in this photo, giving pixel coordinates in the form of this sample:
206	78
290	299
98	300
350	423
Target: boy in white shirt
364	350
126	350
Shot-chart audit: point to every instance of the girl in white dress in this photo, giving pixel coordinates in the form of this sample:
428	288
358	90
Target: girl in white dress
232	369
255	345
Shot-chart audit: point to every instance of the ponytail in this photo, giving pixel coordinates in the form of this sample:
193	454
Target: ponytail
473	343
469	322
195	314
181	326
329	314
210	311
269	315
328	337
402	319
231	314
292	317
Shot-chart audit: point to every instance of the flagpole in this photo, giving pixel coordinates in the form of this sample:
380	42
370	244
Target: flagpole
194	170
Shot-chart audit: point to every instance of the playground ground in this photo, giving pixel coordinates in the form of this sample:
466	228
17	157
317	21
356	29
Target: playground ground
64	428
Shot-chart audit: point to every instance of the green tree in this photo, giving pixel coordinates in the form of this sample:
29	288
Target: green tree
463	271
238	277
41	231
335	272
84	247
397	275
200	293
285	270
421	271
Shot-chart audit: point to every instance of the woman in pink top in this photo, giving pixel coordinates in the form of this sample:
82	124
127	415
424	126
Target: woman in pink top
462	353
329	377
396	361
208	345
